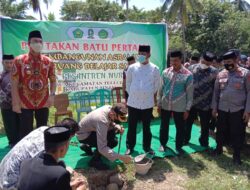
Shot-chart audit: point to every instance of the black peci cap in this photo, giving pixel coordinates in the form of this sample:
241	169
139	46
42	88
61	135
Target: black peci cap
35	34
56	134
130	58
8	57
195	58
144	48
176	53
208	56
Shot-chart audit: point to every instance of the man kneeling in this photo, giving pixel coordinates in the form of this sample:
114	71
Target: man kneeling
98	129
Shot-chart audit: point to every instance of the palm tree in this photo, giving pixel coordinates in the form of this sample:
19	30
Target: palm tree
125	2
13	9
241	5
36	6
179	9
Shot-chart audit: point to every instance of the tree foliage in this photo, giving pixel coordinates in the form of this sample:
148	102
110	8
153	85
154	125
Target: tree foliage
103	10
51	17
36	6
241	5
96	10
218	28
179	10
13	9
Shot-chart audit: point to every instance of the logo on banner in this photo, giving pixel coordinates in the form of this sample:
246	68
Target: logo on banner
90	33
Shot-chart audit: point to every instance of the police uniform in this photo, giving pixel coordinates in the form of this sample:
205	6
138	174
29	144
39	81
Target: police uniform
231	99
43	171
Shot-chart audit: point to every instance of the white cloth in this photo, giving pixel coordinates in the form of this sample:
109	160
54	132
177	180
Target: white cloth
142	82
27	148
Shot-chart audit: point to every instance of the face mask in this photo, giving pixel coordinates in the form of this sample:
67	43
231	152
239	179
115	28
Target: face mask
203	66
229	67
37	47
141	58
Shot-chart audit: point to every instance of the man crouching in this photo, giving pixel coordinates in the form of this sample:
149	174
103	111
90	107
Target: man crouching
98	129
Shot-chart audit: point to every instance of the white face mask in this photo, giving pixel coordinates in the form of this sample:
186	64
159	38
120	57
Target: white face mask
141	58
203	66
37	47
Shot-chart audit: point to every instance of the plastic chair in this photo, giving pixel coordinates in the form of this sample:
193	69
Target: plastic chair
82	103
71	97
116	94
61	103
102	97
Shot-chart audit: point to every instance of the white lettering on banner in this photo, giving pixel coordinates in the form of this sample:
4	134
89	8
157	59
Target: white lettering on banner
82	76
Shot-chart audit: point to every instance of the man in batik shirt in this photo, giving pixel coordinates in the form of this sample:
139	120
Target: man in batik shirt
30	85
204	77
175	97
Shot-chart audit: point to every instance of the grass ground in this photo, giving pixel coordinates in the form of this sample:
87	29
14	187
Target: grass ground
196	171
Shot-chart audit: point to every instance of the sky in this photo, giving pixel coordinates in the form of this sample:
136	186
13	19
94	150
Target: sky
55	6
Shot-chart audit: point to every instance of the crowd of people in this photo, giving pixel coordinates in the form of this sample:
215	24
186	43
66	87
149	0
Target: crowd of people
214	90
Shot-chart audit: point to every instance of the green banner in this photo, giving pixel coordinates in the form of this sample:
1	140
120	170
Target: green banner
87	55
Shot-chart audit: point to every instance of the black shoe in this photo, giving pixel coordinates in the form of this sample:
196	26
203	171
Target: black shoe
236	158
87	149
98	164
204	144
180	151
129	151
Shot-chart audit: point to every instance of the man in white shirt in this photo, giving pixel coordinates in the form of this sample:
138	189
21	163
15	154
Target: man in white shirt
142	84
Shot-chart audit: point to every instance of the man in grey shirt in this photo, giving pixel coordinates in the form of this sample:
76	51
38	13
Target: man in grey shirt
231	100
98	129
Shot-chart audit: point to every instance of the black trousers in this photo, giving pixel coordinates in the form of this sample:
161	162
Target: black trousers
92	139
179	124
26	120
11	125
134	116
234	123
205	117
126	96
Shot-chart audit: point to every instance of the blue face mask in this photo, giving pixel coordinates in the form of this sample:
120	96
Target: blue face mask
141	58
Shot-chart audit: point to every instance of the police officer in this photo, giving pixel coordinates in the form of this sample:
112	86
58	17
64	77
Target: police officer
98	130
204	78
231	101
46	171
